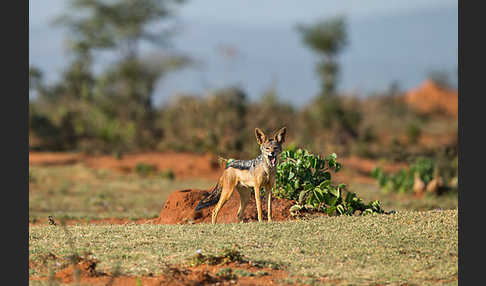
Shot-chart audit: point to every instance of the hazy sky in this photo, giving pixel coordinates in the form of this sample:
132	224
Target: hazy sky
389	41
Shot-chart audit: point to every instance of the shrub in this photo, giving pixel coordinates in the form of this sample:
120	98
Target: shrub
227	255
167	174
413	133
144	169
212	123
402	181
306	178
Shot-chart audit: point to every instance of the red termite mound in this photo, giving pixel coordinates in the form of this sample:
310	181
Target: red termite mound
179	209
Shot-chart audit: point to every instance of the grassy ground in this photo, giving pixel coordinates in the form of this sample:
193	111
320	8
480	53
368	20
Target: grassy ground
76	191
417	245
79	192
418	248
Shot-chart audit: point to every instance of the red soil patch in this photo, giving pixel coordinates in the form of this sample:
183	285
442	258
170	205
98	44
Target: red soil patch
221	270
435	140
83	269
84	272
184	165
430	98
53	158
188	165
179	209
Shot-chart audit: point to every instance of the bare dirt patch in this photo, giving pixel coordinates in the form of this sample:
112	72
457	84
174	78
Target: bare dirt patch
53	158
226	273
184	165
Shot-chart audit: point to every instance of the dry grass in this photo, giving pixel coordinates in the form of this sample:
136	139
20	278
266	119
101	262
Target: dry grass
418	248
79	192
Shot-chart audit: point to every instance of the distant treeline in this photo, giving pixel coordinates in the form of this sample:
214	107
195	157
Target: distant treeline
222	122
113	112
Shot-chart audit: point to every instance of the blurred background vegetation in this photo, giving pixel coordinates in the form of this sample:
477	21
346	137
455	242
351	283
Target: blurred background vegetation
113	112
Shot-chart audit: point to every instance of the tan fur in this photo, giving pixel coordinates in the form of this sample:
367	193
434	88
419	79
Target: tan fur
262	176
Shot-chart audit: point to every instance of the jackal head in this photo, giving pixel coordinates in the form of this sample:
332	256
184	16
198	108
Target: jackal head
271	147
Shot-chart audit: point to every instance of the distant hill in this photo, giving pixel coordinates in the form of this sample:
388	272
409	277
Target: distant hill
431	98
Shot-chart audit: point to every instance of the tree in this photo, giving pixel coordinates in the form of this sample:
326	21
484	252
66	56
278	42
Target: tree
328	38
123	92
122	25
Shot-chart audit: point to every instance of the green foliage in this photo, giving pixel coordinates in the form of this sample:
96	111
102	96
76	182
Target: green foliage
113	110
227	255
306	178
211	123
167	174
403	180
334	115
328	38
446	161
413	132
124	91
145	169
121	24
227	273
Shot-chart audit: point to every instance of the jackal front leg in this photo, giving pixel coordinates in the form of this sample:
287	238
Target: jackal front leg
268	192
258	201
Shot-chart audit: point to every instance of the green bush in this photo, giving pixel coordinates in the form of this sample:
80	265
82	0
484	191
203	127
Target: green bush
306	178
145	169
167	174
212	123
413	132
402	181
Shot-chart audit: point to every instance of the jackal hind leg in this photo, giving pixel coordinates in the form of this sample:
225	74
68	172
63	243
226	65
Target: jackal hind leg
225	195
244	198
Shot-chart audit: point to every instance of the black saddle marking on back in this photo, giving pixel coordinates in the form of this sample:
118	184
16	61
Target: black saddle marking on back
245	164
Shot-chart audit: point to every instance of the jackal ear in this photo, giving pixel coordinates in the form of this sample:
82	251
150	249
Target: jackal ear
260	136
280	135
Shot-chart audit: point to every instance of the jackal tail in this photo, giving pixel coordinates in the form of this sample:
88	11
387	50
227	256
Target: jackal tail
212	198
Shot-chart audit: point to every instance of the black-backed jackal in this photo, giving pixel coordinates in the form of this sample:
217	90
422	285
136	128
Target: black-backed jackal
246	174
